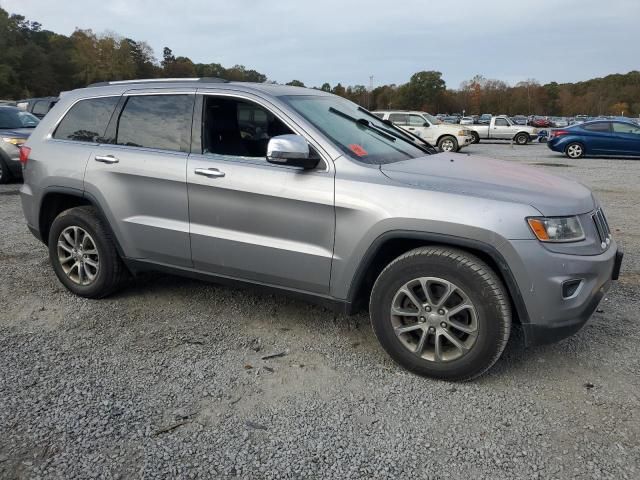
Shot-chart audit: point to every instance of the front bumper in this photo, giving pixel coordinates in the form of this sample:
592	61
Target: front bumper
464	140
552	314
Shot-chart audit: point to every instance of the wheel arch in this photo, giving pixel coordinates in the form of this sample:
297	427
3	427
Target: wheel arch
58	199
391	245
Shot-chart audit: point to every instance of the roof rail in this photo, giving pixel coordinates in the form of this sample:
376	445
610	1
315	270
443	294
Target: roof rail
160	80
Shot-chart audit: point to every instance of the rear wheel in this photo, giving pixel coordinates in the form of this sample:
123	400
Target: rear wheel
448	144
441	313
5	176
83	254
522	139
574	150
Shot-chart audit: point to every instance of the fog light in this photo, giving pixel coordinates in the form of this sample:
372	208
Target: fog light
570	288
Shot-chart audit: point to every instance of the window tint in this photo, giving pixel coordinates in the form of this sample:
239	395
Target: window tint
626	128
501	122
87	120
156	121
416	120
597	127
399	118
238	128
41	107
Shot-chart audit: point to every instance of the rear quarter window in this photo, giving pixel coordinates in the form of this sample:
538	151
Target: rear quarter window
87	120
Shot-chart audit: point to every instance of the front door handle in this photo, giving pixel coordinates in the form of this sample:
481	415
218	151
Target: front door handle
106	159
209	172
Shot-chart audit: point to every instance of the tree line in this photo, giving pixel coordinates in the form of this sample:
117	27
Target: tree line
36	62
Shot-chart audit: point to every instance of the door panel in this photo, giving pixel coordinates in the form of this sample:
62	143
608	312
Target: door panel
262	222
144	196
501	130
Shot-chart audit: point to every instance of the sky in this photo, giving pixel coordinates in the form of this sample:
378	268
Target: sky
348	41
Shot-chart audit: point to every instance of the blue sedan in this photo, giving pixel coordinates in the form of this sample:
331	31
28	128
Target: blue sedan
599	137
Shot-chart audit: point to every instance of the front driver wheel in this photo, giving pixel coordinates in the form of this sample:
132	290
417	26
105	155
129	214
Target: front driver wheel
574	150
448	144
522	139
441	313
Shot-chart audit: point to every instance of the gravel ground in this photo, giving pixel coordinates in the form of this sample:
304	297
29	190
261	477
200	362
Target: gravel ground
168	379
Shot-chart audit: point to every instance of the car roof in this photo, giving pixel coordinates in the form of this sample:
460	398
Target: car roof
171	83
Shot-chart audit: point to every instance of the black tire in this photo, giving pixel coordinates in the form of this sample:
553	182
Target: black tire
5	174
482	287
476	137
448	140
111	273
522	138
574	147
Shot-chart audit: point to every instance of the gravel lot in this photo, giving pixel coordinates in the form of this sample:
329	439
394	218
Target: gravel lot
167	378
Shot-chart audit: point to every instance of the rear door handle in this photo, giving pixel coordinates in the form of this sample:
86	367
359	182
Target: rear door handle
209	172
106	159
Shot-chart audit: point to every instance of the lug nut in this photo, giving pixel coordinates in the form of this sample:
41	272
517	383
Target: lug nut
422	319
432	329
443	325
428	309
441	312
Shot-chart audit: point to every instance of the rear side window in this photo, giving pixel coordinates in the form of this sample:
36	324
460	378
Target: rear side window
597	127
87	120
399	118
41	107
156	121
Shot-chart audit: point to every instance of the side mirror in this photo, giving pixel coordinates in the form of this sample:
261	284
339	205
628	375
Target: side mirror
426	124
292	150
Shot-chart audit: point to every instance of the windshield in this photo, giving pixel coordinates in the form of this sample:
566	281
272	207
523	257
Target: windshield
432	120
361	136
14	118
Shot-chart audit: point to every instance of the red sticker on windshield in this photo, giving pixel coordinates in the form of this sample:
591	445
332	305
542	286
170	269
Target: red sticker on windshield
358	150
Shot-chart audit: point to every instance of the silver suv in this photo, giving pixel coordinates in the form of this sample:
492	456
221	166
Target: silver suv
307	193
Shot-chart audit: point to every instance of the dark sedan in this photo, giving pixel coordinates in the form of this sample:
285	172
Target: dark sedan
15	128
600	137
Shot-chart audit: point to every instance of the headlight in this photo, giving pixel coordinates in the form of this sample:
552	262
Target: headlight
556	229
14	141
461	133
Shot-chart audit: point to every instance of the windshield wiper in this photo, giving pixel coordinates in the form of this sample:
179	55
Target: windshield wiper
365	123
402	134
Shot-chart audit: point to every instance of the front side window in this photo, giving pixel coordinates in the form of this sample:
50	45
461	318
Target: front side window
359	135
416	120
41	107
87	120
626	128
156	121
602	127
501	122
240	128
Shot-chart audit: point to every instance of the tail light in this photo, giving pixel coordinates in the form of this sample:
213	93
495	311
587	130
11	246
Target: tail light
558	133
24	154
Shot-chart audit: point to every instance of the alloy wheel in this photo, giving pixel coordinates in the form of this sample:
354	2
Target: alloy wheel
574	151
78	255
434	319
447	145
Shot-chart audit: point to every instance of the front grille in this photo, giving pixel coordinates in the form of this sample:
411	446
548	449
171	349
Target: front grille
602	226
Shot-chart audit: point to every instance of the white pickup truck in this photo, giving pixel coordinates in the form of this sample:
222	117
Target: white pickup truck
502	128
447	137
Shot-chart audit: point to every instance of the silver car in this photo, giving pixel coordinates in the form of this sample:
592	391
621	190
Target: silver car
305	192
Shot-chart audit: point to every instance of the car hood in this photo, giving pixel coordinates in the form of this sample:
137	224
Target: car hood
16	132
495	179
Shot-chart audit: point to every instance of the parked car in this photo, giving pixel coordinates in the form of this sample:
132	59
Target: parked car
37	106
519	120
540	122
467	121
328	202
485	119
451	120
501	128
558	122
446	137
598	137
15	128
